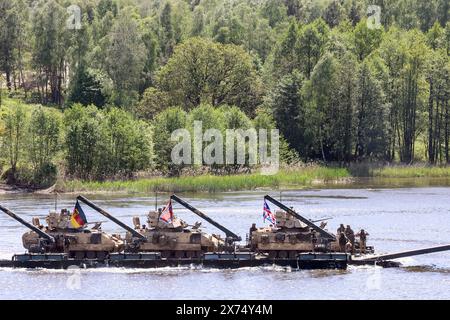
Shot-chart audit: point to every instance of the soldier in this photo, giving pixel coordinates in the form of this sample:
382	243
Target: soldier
252	229
351	237
340	229
313	240
342	239
362	240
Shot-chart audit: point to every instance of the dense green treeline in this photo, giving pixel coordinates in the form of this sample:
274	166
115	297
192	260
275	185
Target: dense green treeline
82	142
338	85
88	143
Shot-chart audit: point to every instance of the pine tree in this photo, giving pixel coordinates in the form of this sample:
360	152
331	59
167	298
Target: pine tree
167	41
371	115
288	110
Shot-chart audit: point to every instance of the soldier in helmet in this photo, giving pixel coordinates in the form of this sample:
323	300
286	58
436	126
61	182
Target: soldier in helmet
351	237
362	240
340	229
342	239
252	229
313	240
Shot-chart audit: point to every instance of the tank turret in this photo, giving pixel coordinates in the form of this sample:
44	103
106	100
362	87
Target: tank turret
154	221
290	235
60	236
287	221
173	239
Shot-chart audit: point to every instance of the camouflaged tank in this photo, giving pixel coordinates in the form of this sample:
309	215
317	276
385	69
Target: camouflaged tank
295	234
172	239
57	236
289	237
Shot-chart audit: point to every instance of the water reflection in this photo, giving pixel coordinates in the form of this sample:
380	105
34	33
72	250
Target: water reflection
396	219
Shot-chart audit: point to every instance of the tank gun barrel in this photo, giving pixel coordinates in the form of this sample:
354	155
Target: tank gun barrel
41	233
309	223
227	232
320	220
110	217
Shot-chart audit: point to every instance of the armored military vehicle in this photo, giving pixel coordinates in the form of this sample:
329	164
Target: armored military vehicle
292	234
58	236
171	236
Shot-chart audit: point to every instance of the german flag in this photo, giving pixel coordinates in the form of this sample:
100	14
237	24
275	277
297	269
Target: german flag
78	219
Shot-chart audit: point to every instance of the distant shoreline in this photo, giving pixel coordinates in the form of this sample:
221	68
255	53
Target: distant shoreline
287	178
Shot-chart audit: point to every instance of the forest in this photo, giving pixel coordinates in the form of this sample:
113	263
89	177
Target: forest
92	89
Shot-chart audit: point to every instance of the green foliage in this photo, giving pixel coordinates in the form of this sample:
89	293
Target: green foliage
49	48
126	143
42	177
334	13
366	40
82	141
14	134
30	139
274	11
416	171
12	20
167	35
405	55
201	71
105	143
86	89
319	98
294	178
371	115
44	138
289	111
337	88
153	102
164	124
125	60
222	118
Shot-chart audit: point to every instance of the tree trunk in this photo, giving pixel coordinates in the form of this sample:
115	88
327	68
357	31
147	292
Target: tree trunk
430	125
447	132
8	79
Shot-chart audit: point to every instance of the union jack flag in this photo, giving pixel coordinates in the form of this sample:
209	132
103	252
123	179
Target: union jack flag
167	213
268	215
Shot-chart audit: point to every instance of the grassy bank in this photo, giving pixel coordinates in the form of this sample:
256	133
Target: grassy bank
298	177
210	183
412	172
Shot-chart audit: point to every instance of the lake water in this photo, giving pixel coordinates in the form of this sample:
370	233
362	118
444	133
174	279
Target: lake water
397	219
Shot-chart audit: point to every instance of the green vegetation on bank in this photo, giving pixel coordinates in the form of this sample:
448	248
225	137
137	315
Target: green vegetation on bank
89	143
286	178
210	183
412	172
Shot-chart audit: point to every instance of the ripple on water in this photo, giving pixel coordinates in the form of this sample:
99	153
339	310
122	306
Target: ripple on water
397	220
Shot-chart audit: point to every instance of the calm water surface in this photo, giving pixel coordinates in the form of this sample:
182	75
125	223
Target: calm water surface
397	219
